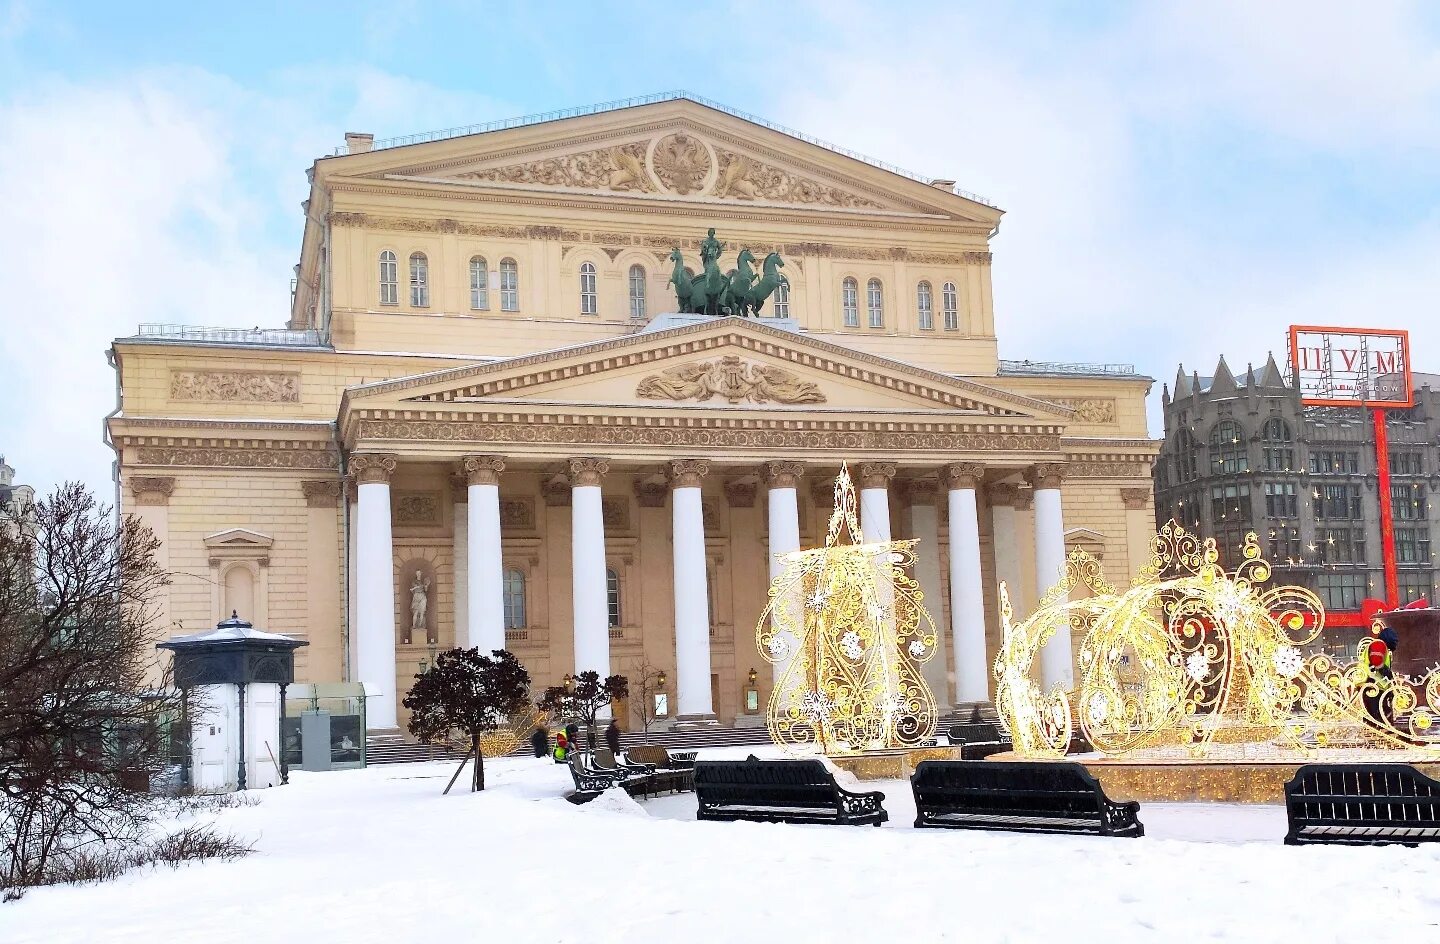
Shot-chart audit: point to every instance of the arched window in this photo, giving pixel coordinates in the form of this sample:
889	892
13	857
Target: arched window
479	284
782	300
419	280
513	592
509	285
951	300
612	596
589	298
637	292
875	302
1278	451
1227	449
850	299
925	306
389	279
1187	457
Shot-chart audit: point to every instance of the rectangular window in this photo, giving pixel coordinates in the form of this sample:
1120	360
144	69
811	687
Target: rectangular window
850	299
1412	545
1415	586
1334	461
875	299
389	279
951	300
1284	545
1230	506
1337	502
1340	545
509	286
479	285
1342	591
1407	462
1407	502
925	306
1280	500
1279	458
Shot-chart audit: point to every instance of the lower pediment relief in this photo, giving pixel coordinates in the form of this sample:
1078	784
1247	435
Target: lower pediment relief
729	378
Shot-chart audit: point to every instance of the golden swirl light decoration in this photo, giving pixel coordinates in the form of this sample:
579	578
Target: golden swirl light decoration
1195	656
848	623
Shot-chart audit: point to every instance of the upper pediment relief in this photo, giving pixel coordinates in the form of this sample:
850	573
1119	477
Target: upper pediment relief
677	163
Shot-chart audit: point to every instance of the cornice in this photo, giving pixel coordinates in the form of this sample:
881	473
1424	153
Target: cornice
122	423
590	358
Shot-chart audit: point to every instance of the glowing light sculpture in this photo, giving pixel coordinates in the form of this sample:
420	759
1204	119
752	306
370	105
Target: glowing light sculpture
848	624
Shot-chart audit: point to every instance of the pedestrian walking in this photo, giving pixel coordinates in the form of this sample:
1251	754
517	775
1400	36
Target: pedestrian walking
612	737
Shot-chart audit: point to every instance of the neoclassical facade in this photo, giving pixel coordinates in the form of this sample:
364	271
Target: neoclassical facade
484	426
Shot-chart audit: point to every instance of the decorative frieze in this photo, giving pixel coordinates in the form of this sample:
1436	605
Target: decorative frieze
615	513
624	432
740	494
730	378
1089	409
556	493
416	508
245	386
321	493
746	178
612	168
651	493
241	454
151	489
518	514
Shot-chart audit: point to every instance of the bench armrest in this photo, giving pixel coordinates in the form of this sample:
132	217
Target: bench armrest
868	802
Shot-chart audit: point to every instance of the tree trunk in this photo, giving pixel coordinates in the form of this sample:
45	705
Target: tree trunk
479	783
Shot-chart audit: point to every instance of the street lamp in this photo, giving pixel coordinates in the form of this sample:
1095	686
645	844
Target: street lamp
660	679
752	676
569	681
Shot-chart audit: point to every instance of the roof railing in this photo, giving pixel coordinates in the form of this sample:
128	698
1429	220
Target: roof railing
540	118
269	337
1060	367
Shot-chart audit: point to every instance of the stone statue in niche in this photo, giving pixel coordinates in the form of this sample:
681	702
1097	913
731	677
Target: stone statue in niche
419	606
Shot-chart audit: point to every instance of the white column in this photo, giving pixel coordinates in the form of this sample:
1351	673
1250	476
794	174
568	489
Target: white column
375	590
967	594
783	509
486	603
460	549
1057	665
587	569
875	500
352	603
925	528
692	593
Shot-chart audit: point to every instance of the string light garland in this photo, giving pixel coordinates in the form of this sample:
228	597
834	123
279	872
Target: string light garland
1193	656
849	624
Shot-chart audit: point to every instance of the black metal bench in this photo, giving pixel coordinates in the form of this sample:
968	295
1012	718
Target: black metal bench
979	739
1362	804
1025	796
781	791
590	780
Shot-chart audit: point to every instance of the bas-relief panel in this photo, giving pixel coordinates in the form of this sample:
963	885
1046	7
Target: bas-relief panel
1089	409
249	386
416	508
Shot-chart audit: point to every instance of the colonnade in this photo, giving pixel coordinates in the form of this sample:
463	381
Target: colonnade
484	625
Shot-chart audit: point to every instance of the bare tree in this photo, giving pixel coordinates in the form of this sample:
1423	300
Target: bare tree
649	682
84	696
584	698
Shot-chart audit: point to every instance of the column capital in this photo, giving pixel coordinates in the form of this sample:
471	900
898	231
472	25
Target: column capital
1045	474
152	489
321	493
556	493
962	475
482	470
740	494
783	473
373	467
876	474
686	473
586	470
1135	499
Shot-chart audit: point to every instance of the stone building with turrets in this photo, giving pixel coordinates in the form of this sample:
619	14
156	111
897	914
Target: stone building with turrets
17	502
1241	454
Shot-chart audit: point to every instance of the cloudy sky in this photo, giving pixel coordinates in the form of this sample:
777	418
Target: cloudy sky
1181	180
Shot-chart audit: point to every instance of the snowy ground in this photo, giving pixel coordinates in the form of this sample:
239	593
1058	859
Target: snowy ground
378	855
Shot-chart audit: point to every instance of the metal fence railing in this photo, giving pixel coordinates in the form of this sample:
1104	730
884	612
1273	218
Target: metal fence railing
278	337
1060	367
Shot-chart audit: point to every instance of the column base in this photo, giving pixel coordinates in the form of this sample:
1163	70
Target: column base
696	721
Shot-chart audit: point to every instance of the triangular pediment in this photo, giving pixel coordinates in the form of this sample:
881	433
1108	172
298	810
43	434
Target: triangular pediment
238	538
726	364
677	150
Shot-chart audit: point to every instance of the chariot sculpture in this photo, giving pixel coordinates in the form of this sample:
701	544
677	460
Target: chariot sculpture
738	292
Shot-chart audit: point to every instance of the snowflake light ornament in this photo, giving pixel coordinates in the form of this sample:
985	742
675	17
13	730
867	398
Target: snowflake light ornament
818	706
778	646
1197	666
1288	661
850	645
916	648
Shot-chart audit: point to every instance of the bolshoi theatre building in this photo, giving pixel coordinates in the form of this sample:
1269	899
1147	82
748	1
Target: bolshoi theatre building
489	423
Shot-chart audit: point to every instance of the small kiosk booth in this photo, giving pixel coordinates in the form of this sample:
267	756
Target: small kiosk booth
234	679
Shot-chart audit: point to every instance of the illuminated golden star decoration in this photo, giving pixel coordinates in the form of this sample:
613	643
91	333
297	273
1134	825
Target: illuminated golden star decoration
848	623
507	735
1191	655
